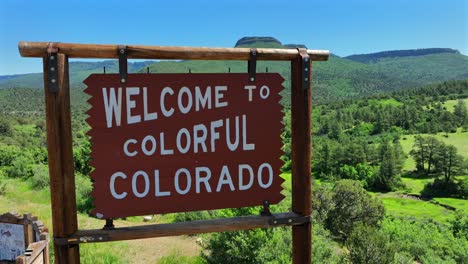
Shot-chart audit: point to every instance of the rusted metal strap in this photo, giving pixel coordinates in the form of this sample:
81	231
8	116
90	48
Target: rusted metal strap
52	64
281	221
252	65
305	68
123	71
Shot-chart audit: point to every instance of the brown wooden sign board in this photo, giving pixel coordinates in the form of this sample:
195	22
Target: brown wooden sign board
164	143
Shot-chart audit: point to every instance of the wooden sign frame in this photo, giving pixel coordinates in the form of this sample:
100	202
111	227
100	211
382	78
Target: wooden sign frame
67	237
36	238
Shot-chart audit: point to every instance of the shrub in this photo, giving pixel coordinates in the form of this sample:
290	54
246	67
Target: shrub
353	205
21	167
459	225
367	245
40	178
324	249
5	127
463	188
84	186
426	241
440	188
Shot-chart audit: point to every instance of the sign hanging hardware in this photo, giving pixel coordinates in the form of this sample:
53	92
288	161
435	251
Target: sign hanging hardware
52	70
252	65
123	73
305	68
266	209
280	221
109	224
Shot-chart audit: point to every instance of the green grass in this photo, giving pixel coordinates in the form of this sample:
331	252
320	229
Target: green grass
384	102
404	207
458	139
415	186
459	204
19	197
450	104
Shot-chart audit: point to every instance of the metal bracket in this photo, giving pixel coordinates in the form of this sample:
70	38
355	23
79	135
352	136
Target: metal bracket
279	221
252	65
266	209
63	241
109	224
123	71
52	71
305	68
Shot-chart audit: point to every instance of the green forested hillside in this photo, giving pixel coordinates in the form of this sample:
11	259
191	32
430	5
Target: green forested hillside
374	57
352	76
79	70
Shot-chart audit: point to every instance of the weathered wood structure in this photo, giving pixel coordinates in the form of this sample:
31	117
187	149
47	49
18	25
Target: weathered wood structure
67	237
36	238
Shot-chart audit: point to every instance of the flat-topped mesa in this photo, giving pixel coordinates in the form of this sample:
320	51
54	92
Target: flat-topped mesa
254	40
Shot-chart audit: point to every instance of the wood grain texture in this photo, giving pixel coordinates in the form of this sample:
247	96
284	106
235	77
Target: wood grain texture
186	228
60	156
38	49
301	148
35	254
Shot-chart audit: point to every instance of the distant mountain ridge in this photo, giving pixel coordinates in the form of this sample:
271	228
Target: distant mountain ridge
373	57
339	77
79	70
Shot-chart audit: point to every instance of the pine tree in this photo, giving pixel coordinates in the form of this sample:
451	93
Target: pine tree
461	113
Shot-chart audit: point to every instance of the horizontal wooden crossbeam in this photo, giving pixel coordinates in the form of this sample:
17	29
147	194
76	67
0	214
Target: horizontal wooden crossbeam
39	49
183	228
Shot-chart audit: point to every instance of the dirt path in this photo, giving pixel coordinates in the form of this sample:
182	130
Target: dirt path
152	249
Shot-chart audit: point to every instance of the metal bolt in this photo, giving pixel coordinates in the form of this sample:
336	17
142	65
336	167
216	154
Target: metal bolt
275	222
306	79
123	80
122	51
52	57
254	53
52	68
306	69
252	79
306	59
289	220
53	80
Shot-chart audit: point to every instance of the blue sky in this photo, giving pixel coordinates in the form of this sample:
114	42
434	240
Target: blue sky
343	27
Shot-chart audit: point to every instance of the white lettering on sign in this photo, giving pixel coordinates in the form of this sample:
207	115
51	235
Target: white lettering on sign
186	102
170	138
116	195
112	105
131	119
195	139
166	113
201	180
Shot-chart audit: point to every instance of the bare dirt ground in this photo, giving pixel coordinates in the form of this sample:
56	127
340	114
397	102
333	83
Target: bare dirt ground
152	249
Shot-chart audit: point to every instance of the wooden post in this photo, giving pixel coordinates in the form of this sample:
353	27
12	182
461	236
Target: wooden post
301	156
60	153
